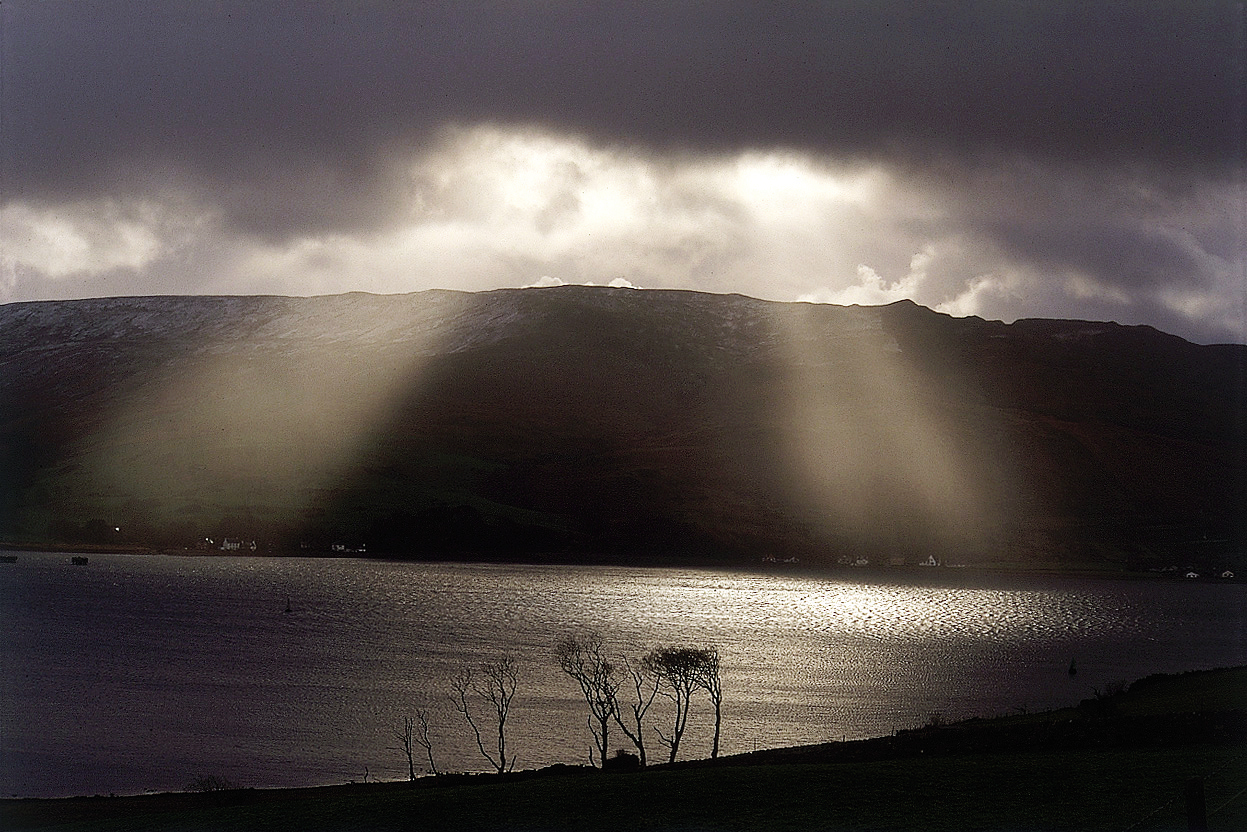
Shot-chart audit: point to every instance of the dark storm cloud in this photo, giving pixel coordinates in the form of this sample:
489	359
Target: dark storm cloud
293	114
1006	159
1125	231
1135	257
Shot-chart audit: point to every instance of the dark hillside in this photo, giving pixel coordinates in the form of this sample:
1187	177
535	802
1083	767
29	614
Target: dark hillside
586	421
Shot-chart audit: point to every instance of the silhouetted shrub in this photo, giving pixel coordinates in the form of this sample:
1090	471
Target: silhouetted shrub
211	783
623	760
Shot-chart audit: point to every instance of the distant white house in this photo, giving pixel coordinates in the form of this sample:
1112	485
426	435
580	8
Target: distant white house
230	544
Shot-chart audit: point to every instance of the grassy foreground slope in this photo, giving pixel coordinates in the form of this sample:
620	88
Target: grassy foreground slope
1124	767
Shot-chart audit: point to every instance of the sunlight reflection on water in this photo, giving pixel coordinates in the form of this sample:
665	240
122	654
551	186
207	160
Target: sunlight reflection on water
145	672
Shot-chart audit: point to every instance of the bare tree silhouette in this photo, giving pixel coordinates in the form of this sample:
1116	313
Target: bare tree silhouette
709	680
406	737
422	737
495	687
646	686
583	658
416	733
680	671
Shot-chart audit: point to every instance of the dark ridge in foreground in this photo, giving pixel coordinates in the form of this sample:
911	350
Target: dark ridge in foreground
1110	762
1163	711
617	423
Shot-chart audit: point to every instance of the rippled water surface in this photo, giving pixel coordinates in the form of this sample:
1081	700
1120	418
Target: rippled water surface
136	673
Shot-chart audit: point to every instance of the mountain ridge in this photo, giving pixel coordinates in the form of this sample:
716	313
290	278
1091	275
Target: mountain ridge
520	422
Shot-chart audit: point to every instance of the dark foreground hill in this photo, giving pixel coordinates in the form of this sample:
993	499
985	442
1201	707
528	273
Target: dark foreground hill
1127	761
582	421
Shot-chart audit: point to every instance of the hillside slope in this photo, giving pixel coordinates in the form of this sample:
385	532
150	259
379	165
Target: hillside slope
592	421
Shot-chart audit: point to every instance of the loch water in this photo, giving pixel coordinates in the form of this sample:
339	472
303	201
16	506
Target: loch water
138	673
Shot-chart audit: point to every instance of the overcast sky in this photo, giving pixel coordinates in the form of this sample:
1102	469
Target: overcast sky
1000	159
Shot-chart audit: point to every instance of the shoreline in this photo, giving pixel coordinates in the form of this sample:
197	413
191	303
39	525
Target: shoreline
1194	707
800	570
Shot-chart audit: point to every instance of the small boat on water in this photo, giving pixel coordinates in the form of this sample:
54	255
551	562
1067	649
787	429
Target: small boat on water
79	560
8	558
